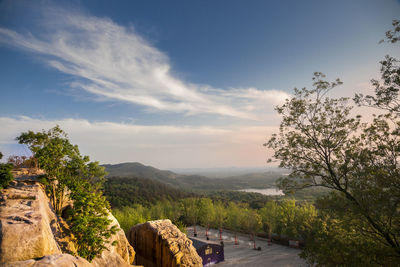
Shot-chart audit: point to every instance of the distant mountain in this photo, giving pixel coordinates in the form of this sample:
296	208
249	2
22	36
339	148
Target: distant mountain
125	191
136	169
190	182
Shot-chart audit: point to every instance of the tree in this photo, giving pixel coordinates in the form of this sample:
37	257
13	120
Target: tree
129	216
251	223
220	217
5	173
360	165
387	94
62	162
234	218
88	219
322	145
206	213
69	174
190	211
269	217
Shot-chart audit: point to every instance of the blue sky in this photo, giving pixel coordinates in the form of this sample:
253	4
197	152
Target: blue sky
177	84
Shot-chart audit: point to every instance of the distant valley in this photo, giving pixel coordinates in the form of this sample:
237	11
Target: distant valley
265	179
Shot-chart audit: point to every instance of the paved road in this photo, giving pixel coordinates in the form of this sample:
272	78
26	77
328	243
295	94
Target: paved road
244	254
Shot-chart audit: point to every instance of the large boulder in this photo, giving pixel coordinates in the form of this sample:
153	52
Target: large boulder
161	243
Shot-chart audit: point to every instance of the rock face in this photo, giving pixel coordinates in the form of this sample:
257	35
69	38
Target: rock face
160	243
31	234
59	260
26	224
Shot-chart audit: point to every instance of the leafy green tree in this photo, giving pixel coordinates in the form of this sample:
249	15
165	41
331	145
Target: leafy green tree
251	223
286	218
206	213
322	145
234	218
220	216
5	173
130	216
62	162
89	220
157	211
191	211
360	165
69	174
269	217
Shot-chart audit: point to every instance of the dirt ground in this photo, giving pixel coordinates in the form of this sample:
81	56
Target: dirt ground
244	254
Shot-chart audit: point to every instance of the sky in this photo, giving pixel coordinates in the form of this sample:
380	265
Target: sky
178	84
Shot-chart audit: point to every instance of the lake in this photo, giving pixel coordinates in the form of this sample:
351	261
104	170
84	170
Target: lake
266	191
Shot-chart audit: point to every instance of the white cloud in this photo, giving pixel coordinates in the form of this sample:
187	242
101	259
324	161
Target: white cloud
115	62
160	146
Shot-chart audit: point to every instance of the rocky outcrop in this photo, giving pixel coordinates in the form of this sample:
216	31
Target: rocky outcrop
161	243
59	260
31	234
26	223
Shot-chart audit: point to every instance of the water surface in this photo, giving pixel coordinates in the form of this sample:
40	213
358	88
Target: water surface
265	191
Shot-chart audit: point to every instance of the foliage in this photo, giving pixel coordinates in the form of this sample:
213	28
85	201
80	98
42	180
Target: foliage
130	216
251	221
126	191
393	36
5	174
192	183
234	217
220	215
190	210
386	94
206	211
269	214
135	214
69	174
254	200
88	219
338	238
324	146
288	217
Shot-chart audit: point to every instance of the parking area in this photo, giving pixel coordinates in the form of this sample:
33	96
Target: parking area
244	254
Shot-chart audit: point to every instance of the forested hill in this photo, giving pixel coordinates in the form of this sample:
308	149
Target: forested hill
126	191
135	169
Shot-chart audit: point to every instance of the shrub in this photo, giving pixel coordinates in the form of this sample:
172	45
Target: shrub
5	174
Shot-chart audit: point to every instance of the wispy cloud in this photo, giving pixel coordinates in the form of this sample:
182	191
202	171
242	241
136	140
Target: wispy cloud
160	146
115	62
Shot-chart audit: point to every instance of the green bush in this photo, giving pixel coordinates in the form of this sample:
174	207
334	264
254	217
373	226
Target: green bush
88	219
130	216
5	174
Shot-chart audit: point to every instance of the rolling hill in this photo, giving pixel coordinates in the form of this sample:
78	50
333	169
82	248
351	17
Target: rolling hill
193	182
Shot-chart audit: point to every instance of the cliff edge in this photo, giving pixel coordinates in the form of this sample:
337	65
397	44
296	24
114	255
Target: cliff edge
31	234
